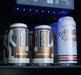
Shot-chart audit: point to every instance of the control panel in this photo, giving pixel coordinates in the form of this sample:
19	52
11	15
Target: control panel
65	4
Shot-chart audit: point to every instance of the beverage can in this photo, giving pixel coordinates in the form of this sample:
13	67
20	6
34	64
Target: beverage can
43	47
66	40
5	48
54	30
18	43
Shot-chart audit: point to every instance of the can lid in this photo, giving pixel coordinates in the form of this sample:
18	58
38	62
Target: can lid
19	25
66	17
43	26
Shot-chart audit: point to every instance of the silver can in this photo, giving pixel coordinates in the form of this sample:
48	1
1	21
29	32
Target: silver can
5	48
31	46
54	30
66	41
18	45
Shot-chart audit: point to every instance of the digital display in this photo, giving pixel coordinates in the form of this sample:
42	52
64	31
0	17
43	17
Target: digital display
65	4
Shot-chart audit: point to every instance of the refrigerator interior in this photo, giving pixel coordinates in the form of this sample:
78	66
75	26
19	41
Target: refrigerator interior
9	14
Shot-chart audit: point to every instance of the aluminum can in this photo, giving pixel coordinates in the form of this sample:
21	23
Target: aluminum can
31	46
18	45
5	48
66	41
43	47
54	30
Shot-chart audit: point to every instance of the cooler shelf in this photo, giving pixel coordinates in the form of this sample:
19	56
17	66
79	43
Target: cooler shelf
38	67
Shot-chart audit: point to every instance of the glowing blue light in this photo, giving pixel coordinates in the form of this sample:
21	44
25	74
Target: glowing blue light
17	8
36	10
48	11
59	12
42	11
60	19
54	12
30	10
65	12
24	9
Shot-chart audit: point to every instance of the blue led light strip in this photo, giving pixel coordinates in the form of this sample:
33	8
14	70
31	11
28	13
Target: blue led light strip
55	11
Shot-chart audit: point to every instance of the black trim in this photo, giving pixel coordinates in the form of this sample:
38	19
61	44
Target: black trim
67	60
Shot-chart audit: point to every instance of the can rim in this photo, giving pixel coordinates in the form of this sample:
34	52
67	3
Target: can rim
42	26
69	17
19	25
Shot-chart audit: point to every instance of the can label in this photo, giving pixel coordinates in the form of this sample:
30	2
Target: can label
67	45
43	48
5	48
18	45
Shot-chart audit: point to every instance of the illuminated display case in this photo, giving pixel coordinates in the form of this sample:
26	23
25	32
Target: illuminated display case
35	12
